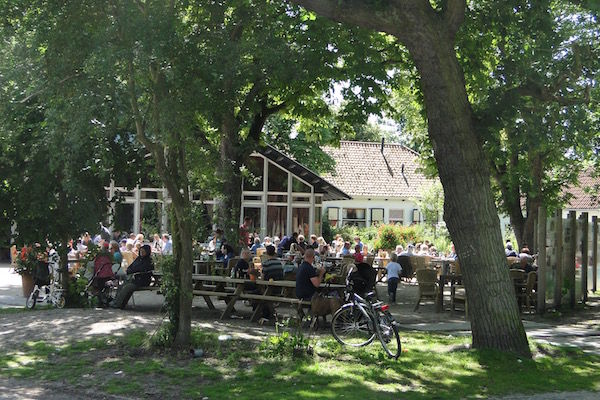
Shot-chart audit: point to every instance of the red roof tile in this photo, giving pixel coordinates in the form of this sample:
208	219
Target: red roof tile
363	170
586	195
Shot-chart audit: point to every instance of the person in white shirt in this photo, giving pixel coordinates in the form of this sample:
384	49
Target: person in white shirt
167	247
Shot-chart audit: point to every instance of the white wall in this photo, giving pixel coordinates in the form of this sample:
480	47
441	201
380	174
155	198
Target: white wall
408	205
591	213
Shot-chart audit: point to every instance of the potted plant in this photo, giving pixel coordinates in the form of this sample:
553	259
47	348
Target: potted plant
25	266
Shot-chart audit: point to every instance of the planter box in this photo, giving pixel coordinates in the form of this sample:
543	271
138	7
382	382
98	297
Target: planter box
28	283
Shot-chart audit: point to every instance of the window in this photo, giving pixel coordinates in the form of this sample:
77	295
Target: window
397	217
299	187
277	221
354	216
376	216
277	198
333	215
278	179
301	199
317	225
416	216
253	177
300	221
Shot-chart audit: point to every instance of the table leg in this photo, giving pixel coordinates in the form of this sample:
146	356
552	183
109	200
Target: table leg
200	286
236	295
259	306
440	297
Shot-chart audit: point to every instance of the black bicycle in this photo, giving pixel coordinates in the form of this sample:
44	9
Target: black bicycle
358	321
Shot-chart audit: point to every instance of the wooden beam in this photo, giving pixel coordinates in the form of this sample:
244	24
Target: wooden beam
571	253
594	253
584	256
558	242
541	242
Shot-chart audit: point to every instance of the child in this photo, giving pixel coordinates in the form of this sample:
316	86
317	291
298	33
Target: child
393	276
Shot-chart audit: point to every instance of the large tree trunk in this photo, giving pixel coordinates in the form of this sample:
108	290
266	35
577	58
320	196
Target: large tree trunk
184	260
469	209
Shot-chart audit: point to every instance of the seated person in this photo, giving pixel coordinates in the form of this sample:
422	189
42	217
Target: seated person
256	245
286	242
143	266
272	268
314	243
358	257
399	250
509	251
103	273
308	279
357	242
410	251
346	249
301	245
242	268
526	263
228	254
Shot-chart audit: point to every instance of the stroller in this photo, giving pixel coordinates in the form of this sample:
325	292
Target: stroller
47	276
362	279
103	282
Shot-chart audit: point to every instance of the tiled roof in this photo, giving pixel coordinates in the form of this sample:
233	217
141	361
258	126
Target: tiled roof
363	170
586	195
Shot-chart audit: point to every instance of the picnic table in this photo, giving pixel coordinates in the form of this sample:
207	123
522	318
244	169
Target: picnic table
209	286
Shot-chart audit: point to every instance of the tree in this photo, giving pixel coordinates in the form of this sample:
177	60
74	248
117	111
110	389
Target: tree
53	172
260	58
428	30
431	205
533	98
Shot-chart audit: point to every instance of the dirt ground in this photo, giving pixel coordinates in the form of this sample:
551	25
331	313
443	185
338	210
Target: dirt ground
61	326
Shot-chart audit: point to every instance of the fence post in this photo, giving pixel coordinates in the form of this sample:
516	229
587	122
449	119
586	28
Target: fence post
584	256
558	242
594	252
541	242
571	253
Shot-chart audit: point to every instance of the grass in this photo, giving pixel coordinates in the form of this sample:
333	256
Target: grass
16	310
431	366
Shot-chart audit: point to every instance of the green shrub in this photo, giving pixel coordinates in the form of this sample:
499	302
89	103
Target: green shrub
76	295
389	236
284	345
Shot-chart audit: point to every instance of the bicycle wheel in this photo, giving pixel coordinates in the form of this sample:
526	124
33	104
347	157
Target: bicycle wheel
352	326
32	299
388	335
60	303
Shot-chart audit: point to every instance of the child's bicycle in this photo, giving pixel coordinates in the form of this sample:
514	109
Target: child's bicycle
358	321
50	282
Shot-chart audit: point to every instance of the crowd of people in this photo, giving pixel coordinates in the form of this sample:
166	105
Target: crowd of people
523	260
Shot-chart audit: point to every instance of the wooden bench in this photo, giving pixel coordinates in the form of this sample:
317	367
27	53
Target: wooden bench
266	298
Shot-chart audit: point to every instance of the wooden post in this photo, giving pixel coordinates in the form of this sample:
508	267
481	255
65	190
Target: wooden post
584	256
571	253
535	244
541	242
558	242
594	252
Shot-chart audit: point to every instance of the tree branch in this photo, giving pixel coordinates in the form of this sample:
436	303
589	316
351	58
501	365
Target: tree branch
454	15
42	90
396	17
